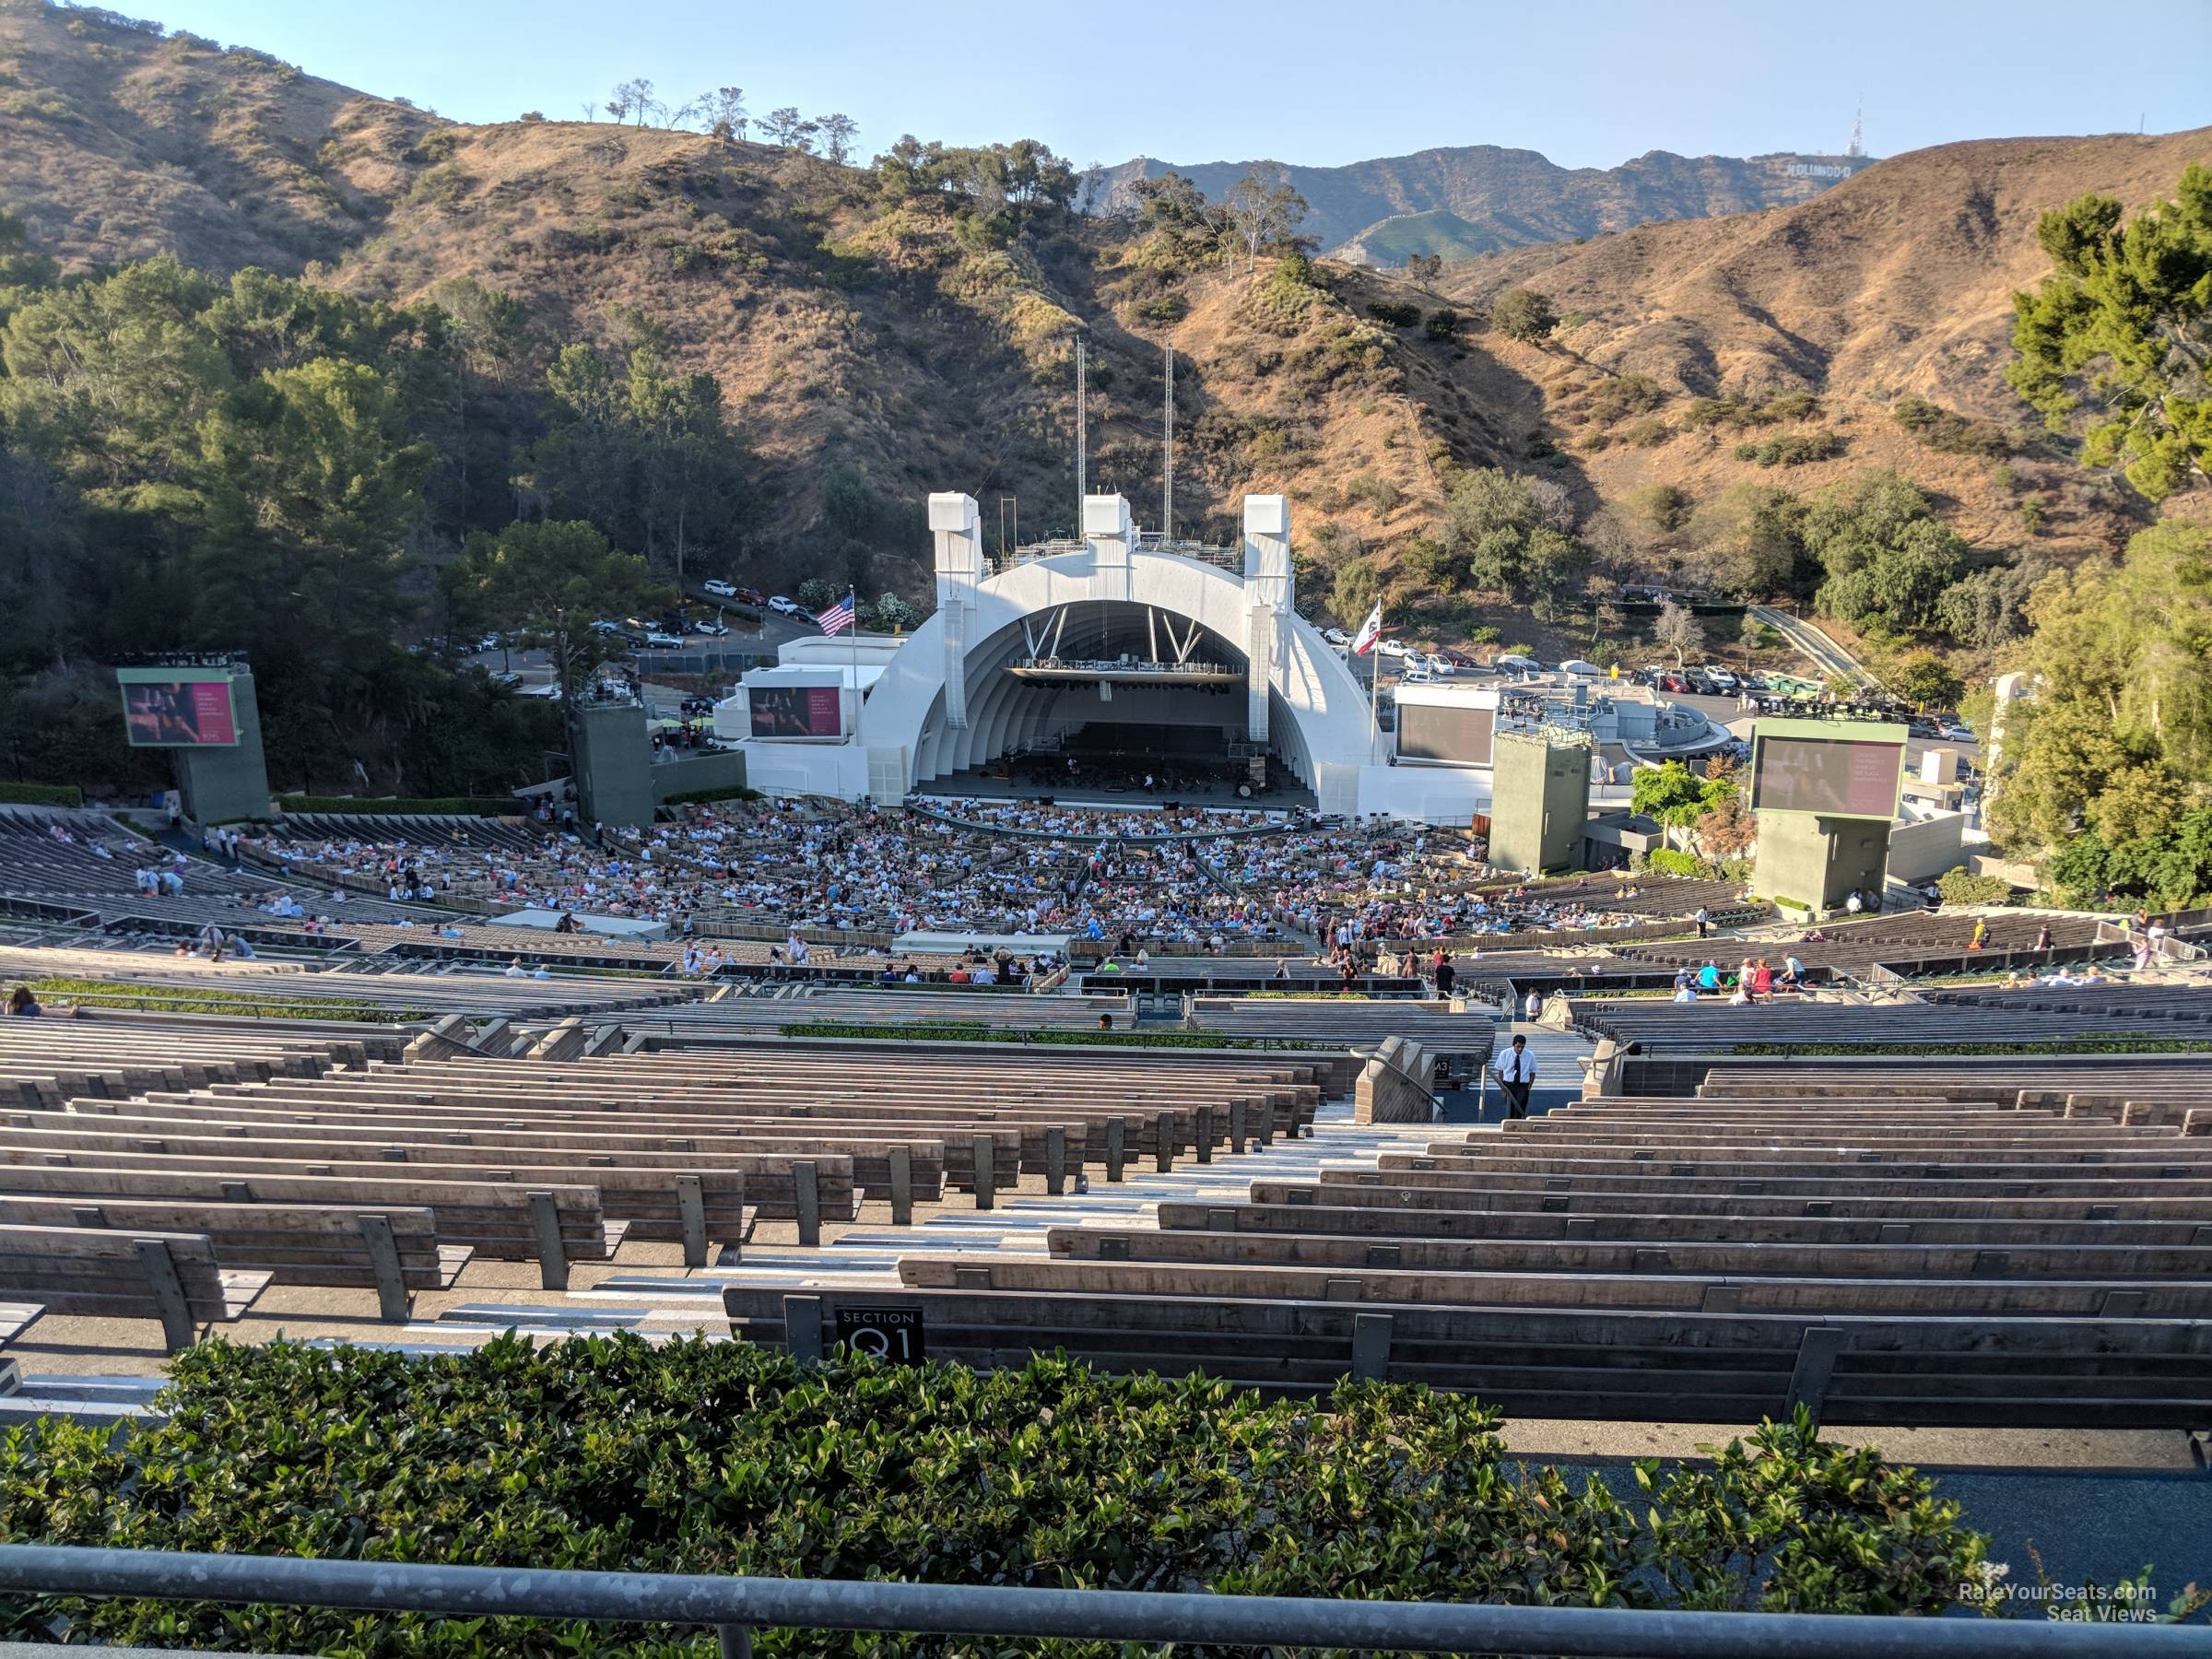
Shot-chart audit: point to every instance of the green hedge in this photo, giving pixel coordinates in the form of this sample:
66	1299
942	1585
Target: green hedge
40	794
1666	861
402	807
945	1030
607	1453
2129	1043
699	797
165	999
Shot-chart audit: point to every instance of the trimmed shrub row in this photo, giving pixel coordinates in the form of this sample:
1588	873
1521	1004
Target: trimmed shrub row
955	1031
123	993
2090	1045
40	794
607	1453
699	797
403	806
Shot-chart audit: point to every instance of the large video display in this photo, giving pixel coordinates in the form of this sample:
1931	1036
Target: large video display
1456	732
178	713
1837	777
793	712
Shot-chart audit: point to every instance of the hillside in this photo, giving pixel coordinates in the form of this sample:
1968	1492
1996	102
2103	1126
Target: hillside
1896	284
857	334
1493	198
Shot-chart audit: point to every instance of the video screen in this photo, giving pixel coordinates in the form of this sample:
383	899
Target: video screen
1837	777
182	713
793	712
1451	732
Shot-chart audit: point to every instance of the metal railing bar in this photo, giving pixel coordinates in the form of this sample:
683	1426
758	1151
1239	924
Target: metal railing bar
737	1605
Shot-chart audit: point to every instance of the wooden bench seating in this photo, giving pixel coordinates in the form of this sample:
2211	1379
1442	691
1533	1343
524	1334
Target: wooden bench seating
2072	1224
1884	1259
390	1250
930	1163
642	1193
86	1271
1690	1286
1623	1364
496	1221
1062	1137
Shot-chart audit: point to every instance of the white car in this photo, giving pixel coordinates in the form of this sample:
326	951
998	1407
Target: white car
1581	666
1391	648
1520	665
710	626
659	641
1719	679
1442	667
1335	635
777	602
721	589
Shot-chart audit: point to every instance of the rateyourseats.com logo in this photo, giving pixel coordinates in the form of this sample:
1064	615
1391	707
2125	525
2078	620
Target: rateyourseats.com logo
2124	1603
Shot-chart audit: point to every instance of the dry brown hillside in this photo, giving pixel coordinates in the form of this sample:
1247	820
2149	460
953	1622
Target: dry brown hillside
1896	283
845	331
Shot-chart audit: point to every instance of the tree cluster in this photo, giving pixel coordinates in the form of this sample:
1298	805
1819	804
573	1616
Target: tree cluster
1260	212
721	113
1001	189
2124	323
2115	746
1508	535
269	466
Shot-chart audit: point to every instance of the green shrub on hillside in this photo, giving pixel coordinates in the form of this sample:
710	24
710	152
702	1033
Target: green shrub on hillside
40	794
1946	430
402	807
607	1453
1793	448
727	791
1959	885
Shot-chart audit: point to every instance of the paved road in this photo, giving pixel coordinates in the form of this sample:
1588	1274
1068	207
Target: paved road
1825	654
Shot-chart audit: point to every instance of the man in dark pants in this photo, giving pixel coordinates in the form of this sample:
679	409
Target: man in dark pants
1516	1073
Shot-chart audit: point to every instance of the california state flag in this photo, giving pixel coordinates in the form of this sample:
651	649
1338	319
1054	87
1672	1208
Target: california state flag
1370	631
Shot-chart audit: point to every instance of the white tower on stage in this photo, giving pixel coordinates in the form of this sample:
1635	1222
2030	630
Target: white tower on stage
957	527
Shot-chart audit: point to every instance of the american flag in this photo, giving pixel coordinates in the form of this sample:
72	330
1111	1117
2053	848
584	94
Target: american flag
839	617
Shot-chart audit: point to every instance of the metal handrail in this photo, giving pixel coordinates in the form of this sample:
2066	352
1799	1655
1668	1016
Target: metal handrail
736	1607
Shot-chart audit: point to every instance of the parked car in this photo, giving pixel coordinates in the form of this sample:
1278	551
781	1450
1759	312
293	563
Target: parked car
751	596
1391	648
1442	665
1519	663
719	589
658	639
711	625
783	604
1581	666
698	705
1460	659
604	627
1335	635
1958	731
1719	677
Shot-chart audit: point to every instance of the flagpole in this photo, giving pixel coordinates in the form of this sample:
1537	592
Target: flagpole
853	644
1374	690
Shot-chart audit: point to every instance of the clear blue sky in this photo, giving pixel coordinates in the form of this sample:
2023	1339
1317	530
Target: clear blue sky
1202	80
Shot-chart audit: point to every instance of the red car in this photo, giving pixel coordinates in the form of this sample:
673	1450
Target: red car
751	596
